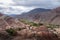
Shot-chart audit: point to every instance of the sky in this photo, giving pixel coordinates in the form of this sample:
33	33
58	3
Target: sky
20	6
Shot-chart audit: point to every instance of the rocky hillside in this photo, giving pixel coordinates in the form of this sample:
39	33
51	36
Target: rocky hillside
26	28
32	33
43	15
8	22
21	29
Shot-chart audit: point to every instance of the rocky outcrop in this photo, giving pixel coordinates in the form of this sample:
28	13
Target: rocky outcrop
35	33
41	34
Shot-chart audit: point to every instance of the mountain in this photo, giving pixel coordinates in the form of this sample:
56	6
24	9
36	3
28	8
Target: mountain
43	15
38	10
30	15
26	15
14	29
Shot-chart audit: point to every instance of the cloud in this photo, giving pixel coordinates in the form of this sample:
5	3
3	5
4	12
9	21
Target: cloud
7	8
19	6
38	3
31	3
14	9
6	2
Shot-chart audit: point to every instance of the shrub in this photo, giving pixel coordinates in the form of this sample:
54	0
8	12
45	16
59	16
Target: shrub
11	31
40	24
49	26
34	24
19	29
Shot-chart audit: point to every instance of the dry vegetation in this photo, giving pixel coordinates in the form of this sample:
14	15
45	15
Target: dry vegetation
31	31
14	29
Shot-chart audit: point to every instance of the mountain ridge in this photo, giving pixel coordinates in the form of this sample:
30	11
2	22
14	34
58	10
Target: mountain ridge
48	16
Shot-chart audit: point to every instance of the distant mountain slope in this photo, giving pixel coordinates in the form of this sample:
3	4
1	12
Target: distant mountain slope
32	12
38	10
43	15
